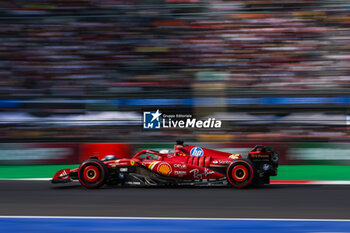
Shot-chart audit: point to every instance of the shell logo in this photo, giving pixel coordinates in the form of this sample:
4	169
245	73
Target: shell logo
164	169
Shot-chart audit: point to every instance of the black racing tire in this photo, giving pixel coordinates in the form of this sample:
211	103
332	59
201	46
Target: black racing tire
241	173
93	173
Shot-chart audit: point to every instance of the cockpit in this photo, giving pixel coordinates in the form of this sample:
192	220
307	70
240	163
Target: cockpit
152	155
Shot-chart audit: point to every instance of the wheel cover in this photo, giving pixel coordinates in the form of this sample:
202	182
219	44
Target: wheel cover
91	174
240	173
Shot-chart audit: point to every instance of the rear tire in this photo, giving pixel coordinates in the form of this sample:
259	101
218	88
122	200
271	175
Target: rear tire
241	173
93	173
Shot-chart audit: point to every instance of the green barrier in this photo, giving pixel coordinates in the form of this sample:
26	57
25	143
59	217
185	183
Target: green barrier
285	172
312	172
31	171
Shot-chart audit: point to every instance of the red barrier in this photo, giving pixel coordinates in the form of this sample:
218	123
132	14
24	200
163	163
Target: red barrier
100	150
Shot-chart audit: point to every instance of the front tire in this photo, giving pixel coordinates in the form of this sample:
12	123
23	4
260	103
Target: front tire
93	173
241	173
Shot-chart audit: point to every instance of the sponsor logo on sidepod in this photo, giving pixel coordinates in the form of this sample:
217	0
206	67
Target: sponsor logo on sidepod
197	152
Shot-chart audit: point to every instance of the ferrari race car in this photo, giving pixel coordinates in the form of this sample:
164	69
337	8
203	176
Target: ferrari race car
187	165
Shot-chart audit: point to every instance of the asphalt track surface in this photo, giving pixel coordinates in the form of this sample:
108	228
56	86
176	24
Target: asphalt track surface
41	198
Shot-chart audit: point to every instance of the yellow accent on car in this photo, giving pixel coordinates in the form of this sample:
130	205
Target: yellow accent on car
150	166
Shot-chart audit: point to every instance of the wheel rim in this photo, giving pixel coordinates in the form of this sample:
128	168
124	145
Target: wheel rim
240	173
91	174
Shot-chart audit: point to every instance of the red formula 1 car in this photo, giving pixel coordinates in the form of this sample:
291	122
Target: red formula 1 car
187	165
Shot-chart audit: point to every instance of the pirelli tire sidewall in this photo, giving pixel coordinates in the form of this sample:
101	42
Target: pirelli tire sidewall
93	173
241	173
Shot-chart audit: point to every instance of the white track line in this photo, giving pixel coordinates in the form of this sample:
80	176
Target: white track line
169	218
342	182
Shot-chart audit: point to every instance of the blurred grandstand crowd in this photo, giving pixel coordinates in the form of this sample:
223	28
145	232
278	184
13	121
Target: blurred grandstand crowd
86	56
